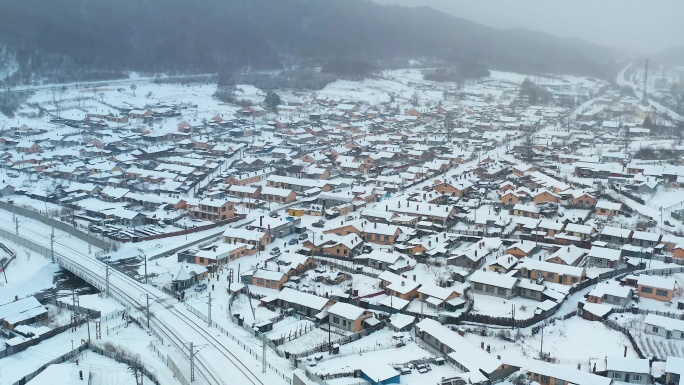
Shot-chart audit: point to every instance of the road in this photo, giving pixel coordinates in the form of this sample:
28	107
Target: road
219	360
96	83
620	80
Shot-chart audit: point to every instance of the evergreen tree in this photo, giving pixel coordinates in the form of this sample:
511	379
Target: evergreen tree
272	101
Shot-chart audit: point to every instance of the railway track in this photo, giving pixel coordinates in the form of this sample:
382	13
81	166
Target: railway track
211	368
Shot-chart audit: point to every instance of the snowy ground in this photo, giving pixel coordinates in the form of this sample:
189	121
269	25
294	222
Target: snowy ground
131	339
570	342
28	274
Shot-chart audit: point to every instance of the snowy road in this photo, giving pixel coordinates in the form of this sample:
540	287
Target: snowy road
218	360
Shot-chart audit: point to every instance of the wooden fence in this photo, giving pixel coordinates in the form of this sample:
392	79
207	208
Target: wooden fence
10	350
615	326
341	341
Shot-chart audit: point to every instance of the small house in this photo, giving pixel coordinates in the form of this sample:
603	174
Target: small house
348	317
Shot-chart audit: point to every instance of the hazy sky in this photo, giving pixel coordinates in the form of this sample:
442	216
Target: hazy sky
641	25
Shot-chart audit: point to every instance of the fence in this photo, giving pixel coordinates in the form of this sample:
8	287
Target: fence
112	315
668	271
292	336
326	261
131	362
63	358
67	228
240	343
185	246
614	325
12	254
633	310
10	350
166	359
21	241
341	341
593	281
76	309
508	321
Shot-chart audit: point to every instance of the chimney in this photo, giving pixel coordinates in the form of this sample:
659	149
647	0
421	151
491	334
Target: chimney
482	345
488	349
414	277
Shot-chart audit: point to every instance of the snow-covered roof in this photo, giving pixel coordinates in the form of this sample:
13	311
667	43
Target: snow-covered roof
268	274
608	205
657	281
568	374
604	253
629	365
675	365
466	354
568	254
532	264
525	247
670	324
301	298
435	291
493	279
611	288
346	311
616	232
401	321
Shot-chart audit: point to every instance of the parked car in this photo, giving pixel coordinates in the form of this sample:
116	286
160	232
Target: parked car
293	241
273	215
201	286
303	236
318	224
275	251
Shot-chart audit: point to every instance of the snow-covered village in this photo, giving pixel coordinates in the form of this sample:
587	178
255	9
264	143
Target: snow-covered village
391	229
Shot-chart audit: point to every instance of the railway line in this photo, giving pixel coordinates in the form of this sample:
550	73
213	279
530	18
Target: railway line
214	366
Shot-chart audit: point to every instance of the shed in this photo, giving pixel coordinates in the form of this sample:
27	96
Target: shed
379	374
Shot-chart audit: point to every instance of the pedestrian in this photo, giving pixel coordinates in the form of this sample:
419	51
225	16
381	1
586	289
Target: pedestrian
212	287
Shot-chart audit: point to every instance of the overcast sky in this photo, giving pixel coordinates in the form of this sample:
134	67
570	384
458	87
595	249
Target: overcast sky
641	25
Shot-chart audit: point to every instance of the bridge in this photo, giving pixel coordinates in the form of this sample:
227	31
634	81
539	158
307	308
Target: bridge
220	362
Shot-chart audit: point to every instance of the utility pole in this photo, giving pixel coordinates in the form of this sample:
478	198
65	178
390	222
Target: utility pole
513	316
107	279
541	348
52	244
148	310
88	323
192	362
209	319
145	255
263	353
645	101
